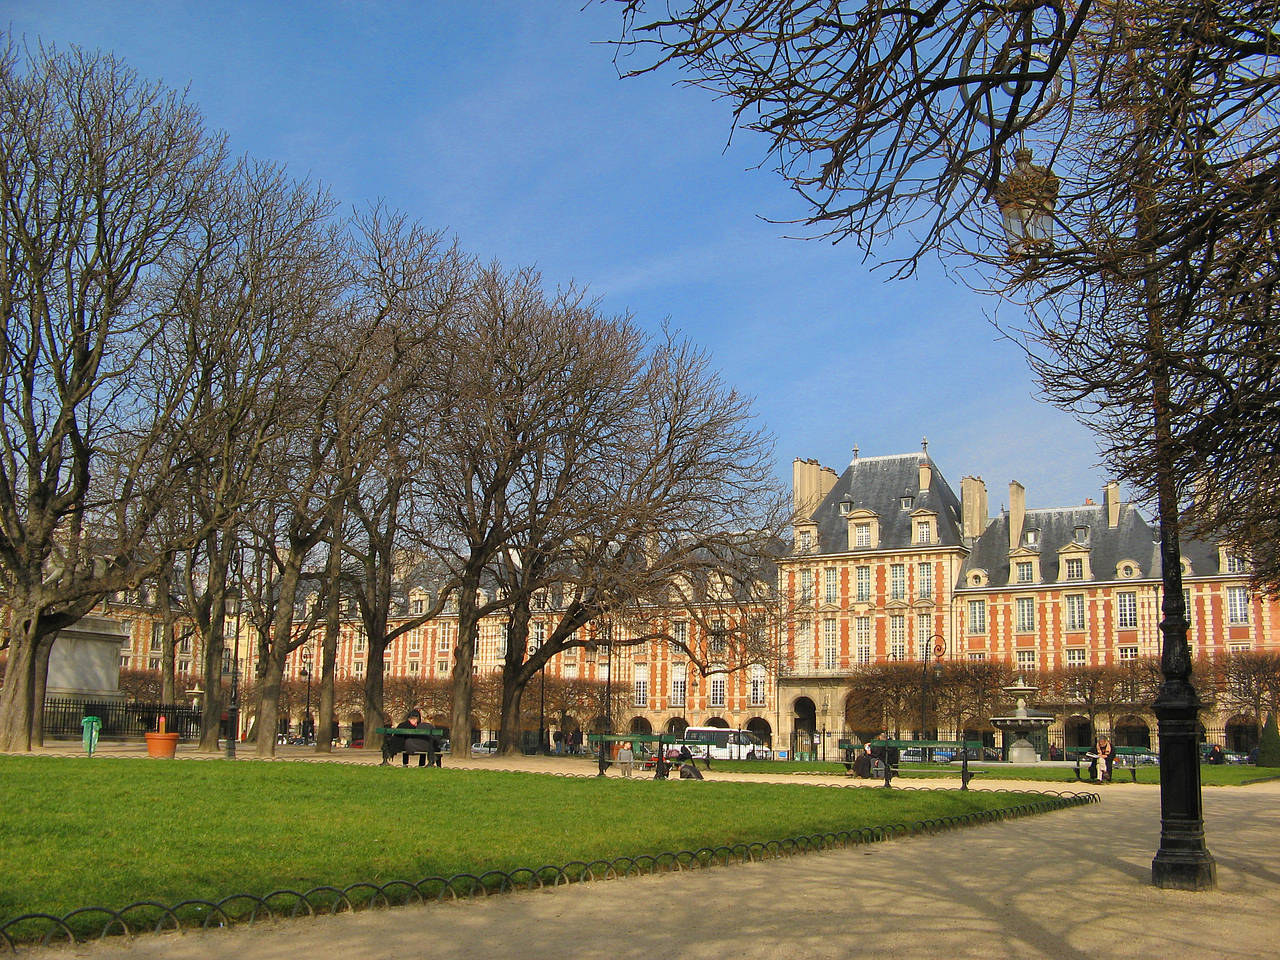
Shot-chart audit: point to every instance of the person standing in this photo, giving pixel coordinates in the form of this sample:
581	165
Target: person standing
626	760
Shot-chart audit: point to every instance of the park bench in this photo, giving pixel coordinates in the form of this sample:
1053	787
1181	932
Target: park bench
644	744
924	746
415	740
1126	758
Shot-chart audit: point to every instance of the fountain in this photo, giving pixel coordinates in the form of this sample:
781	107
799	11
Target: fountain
1021	723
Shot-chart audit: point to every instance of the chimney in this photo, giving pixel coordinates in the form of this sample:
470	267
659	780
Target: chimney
1111	497
826	480
926	474
1017	513
804	487
973	507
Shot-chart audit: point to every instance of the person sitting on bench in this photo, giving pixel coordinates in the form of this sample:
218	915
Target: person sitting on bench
423	746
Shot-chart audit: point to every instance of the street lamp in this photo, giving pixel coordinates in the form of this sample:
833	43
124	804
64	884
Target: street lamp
306	672
937	646
606	637
1183	862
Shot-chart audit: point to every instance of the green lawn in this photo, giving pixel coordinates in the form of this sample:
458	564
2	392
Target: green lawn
1227	775
76	832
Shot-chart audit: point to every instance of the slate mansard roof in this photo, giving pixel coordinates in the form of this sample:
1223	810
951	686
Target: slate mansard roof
878	484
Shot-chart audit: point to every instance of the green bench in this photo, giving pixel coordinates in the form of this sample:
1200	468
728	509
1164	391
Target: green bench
413	732
1126	758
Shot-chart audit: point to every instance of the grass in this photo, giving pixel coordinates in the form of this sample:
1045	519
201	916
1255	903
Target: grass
77	832
1227	775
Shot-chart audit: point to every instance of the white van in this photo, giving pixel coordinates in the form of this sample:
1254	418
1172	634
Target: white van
724	744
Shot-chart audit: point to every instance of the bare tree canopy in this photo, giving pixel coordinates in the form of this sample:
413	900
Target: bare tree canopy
1151	293
103	181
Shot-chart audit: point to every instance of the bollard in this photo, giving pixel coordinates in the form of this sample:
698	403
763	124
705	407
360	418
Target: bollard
89	727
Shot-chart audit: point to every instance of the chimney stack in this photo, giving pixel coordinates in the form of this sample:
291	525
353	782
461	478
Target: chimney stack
1017	513
973	507
1111	497
926	474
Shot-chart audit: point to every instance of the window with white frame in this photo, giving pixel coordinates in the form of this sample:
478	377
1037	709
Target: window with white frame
184	666
1026	608
413	666
830	644
862	534
1126	610
359	669
184	645
571	671
640	685
1075	568
153	663
977	656
1026	571
977	616
1075	611
718	685
924	531
415	642
758	686
898	581
802	635
442	667
157	636
897	637
806	586
863	581
1076	656
1237	605
679	681
1026	660
924	628
924	580
1235	564
679	636
416	606
832	585
360	641
1128	653
805	543
863	627
538	636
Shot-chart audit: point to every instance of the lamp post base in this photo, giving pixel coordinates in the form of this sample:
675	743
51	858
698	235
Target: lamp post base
1186	871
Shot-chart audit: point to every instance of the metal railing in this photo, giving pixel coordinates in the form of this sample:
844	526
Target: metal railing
121	719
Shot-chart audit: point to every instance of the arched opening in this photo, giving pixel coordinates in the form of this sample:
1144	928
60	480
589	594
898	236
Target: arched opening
1132	731
1077	735
1241	734
357	730
718	722
677	725
760	727
641	725
804	725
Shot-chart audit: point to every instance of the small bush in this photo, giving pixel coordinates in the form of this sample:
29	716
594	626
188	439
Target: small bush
1269	744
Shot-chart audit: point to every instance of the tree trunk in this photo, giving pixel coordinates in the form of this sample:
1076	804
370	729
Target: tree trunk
463	679
17	696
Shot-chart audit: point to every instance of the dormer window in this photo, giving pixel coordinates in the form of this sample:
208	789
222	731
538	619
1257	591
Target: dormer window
908	503
1026	571
862	534
924	531
805	543
846	507
1081	534
1031	537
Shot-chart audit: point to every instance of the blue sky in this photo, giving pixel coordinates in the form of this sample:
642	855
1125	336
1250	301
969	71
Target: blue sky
506	124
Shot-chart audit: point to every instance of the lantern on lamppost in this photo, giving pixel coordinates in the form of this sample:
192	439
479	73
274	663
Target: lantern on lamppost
1027	199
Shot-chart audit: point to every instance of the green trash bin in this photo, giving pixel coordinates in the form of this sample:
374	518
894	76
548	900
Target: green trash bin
89	728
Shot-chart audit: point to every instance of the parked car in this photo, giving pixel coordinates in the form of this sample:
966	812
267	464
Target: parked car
485	746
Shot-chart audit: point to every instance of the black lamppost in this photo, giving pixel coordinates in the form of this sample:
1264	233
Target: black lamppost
606	637
306	672
1183	862
930	655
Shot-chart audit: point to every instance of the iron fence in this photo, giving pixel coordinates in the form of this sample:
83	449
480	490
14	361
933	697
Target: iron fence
121	719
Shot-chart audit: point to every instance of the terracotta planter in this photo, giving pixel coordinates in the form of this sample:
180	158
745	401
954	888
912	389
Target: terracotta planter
162	744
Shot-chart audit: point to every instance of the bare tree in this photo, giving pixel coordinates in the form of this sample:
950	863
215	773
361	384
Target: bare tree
1250	682
102	179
